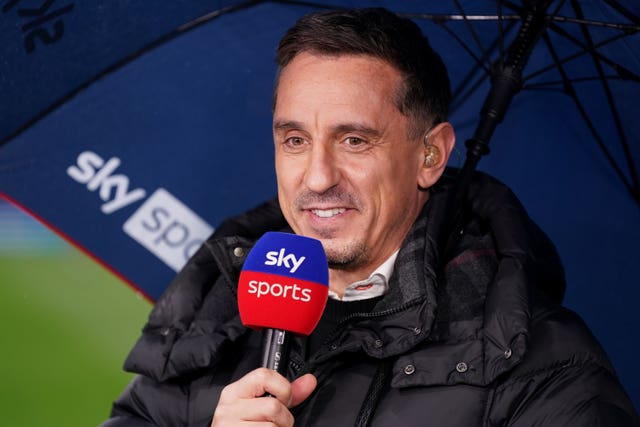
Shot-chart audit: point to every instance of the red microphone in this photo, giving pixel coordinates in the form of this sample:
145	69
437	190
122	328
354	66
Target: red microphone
283	290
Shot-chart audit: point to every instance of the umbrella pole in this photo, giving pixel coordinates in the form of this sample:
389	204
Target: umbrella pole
506	82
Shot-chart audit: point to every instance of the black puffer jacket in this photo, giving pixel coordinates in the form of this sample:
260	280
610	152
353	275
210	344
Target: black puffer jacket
482	341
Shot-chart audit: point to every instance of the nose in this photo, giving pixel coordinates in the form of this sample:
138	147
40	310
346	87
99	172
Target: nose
322	171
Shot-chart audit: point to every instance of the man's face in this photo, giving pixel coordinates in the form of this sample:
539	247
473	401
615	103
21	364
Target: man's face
346	170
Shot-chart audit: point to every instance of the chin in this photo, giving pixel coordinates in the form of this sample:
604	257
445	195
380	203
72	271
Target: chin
344	254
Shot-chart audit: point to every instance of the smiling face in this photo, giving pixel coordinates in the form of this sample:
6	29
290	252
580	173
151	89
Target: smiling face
347	173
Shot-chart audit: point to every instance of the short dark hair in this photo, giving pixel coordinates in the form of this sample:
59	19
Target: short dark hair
426	92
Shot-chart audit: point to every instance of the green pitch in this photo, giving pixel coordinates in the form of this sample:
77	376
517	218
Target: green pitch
66	326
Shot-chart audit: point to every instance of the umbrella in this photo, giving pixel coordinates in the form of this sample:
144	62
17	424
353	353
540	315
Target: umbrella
133	128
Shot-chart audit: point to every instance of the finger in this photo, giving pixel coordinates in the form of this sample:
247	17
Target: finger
302	388
255	384
267	409
256	410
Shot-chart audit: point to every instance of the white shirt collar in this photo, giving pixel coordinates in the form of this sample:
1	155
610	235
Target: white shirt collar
377	284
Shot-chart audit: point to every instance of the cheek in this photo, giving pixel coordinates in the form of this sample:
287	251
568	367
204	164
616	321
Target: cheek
285	171
285	195
288	184
398	187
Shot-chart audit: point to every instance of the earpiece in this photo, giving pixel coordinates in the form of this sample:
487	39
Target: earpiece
431	152
432	156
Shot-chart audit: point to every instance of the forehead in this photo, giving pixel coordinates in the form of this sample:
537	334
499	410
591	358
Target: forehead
337	87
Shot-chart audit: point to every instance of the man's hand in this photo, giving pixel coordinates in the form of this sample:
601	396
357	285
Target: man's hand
243	401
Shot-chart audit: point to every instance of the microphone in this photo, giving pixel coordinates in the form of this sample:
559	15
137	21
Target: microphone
283	289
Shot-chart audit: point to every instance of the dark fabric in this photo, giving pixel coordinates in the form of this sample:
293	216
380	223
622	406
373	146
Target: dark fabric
479	338
335	312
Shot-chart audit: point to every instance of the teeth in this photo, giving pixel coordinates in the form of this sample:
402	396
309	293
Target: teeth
328	213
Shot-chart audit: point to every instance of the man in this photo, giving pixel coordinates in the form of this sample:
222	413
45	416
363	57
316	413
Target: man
416	332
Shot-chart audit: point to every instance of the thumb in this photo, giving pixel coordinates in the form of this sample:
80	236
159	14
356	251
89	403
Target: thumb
301	388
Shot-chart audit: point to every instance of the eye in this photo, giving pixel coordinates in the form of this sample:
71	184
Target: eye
294	143
355	143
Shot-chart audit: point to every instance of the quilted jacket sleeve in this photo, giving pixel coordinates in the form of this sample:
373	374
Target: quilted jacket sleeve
573	394
145	400
565	380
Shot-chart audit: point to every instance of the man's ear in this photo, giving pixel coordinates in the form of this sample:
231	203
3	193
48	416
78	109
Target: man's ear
437	146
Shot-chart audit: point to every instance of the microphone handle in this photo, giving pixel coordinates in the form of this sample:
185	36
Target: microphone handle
276	350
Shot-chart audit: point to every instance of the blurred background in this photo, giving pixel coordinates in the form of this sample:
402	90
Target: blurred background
67	325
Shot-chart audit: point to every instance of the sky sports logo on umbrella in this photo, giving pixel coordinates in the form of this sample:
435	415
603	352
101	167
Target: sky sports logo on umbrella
163	224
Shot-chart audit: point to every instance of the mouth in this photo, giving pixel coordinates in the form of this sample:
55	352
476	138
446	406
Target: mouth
327	213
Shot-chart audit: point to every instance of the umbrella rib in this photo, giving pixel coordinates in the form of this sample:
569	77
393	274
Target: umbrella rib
581	20
547	84
473	32
622	71
613	25
624	11
558	7
465	88
9	5
211	15
464	46
441	17
631	17
612	105
629	75
511	5
571	92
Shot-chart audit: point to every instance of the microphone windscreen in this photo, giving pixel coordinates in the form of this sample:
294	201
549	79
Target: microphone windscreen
284	283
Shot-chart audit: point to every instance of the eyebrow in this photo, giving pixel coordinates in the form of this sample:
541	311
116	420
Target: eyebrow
338	129
287	125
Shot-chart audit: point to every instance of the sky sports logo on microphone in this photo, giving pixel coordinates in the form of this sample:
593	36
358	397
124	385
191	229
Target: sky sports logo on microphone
284	283
281	258
295	292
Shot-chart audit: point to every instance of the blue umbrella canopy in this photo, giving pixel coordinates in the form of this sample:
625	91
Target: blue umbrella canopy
133	128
